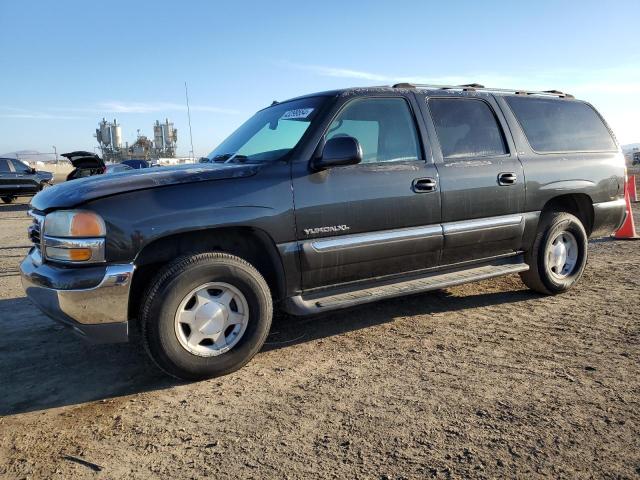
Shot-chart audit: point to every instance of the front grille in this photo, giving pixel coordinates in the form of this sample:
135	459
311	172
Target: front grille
34	230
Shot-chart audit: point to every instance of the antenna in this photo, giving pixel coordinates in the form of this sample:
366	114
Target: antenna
186	94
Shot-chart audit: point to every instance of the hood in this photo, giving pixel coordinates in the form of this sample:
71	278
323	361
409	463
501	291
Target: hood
70	194
82	159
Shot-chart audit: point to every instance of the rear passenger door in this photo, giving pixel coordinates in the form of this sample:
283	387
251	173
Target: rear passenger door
481	177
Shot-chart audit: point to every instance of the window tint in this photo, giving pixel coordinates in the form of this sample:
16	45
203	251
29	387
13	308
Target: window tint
4	166
553	125
467	128
271	133
284	137
20	167
383	126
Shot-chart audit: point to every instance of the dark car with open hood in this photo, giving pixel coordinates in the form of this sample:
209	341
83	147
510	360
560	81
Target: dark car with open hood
17	179
323	202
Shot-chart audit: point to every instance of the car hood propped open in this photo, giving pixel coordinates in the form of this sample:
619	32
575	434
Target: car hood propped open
82	159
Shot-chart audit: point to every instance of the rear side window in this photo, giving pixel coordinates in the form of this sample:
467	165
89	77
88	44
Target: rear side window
467	127
4	166
384	127
20	167
553	125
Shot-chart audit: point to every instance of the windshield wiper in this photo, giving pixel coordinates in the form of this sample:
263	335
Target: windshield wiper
229	157
223	157
237	158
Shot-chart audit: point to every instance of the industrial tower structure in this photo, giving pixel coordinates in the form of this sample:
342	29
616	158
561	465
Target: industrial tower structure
164	144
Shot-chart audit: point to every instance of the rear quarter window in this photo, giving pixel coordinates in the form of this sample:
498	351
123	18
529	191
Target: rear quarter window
553	125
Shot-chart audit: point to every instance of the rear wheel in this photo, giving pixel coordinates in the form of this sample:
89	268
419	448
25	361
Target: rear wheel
8	199
558	256
206	315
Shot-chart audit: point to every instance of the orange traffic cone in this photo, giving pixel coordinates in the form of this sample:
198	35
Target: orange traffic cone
628	229
633	192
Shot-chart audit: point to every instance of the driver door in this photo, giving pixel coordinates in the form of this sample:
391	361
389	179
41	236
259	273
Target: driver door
7	177
376	218
25	180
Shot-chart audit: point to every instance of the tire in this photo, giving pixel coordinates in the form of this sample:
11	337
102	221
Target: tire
170	295
546	276
8	199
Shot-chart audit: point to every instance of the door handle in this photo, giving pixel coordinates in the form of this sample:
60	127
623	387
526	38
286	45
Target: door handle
423	185
507	178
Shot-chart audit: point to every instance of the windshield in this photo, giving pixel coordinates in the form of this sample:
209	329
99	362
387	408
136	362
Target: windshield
270	134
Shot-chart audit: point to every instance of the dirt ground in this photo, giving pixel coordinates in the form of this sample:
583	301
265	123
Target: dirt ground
478	381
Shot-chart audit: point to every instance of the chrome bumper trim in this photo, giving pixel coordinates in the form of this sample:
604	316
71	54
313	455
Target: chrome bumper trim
609	216
611	205
103	305
96	245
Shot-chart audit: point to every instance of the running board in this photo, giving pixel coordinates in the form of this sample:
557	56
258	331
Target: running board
325	301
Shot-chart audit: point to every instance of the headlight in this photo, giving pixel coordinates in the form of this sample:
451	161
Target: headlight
74	236
74	223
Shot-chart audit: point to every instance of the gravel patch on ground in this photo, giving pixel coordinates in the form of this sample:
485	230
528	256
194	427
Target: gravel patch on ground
478	381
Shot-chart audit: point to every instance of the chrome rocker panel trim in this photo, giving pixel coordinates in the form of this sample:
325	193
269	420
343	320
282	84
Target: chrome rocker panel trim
386	236
364	239
482	223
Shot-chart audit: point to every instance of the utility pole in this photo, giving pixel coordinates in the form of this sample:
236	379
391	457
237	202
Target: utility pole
55	150
186	94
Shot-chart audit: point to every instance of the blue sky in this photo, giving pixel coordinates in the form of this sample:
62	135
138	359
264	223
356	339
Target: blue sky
66	64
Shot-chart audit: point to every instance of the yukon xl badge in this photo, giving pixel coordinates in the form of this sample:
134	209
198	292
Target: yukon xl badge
333	228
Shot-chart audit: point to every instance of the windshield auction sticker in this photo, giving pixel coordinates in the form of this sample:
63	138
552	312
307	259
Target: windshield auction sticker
297	113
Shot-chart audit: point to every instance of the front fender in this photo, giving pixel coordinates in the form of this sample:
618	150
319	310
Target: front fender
136	219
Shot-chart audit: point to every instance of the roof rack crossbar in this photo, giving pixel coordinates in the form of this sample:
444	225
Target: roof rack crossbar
471	87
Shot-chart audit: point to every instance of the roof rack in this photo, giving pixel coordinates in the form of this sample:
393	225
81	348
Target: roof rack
472	87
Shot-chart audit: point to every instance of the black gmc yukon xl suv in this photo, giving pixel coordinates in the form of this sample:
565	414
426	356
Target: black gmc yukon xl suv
323	202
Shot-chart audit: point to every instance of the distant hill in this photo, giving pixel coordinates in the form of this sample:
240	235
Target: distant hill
30	156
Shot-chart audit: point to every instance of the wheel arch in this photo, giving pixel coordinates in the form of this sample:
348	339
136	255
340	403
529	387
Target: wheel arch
251	244
577	204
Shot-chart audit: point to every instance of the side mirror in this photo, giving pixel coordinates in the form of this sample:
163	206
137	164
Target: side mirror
33	170
339	151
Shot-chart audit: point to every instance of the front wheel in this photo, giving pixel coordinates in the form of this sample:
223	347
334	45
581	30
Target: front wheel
206	315
558	256
8	199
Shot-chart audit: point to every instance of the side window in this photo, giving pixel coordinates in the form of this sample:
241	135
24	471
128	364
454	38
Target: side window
4	166
554	125
19	166
467	127
384	127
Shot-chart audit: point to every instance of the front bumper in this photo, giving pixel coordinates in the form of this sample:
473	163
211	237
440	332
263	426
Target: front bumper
93	301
